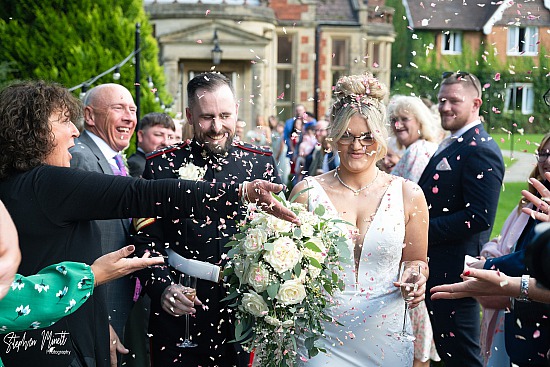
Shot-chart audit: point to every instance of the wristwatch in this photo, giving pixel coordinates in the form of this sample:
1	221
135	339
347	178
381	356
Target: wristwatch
524	289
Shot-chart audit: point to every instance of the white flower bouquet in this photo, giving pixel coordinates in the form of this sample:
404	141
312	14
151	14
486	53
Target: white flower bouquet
280	280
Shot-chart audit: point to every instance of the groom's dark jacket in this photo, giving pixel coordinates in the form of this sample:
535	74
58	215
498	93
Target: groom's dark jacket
197	239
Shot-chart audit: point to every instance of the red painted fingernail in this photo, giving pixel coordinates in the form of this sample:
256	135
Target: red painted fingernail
467	272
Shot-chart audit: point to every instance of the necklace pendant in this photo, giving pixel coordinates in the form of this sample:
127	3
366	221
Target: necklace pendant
356	193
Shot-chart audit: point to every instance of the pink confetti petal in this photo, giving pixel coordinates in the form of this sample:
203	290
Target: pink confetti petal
497	77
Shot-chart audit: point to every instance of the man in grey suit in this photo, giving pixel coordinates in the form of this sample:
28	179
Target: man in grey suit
109	122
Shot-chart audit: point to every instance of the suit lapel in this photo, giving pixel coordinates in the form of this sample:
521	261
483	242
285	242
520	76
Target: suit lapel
461	142
101	160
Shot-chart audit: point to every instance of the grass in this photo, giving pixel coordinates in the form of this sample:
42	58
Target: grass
509	198
511	191
521	143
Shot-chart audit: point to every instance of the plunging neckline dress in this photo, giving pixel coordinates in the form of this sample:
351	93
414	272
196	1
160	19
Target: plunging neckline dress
370	308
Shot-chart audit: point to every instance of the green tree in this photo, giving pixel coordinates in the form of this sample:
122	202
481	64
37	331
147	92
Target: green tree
72	41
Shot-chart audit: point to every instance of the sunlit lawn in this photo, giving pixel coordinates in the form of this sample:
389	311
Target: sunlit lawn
511	191
521	143
509	198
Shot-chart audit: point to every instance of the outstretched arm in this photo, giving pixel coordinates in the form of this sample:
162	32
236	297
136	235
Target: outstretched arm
479	282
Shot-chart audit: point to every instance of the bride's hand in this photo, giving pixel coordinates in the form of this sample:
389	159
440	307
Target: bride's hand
419	294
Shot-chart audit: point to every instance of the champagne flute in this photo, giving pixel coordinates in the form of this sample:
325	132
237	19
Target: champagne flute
409	274
189	289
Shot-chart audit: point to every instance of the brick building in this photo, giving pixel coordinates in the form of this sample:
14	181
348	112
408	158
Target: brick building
277	52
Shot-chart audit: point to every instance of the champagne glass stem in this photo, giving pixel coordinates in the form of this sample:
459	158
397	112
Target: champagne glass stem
404	331
186	327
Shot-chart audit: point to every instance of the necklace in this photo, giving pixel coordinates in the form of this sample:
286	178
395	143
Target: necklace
356	192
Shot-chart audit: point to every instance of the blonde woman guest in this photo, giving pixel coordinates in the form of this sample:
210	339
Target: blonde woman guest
385	212
415	128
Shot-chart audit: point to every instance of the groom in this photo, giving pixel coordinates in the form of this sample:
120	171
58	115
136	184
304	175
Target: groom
462	184
213	156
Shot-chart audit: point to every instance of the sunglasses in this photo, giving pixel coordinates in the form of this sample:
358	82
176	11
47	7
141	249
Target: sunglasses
365	139
546	97
461	75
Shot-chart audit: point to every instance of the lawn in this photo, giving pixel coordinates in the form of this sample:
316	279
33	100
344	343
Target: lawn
509	198
521	143
511	191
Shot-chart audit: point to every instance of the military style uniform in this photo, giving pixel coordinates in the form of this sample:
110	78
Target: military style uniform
202	240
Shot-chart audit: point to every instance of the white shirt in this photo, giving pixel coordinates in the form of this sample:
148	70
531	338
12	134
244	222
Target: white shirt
106	150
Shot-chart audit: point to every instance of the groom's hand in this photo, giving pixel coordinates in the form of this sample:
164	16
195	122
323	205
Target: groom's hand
259	192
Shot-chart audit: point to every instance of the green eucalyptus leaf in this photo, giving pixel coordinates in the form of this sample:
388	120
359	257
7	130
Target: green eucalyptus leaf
314	262
293	199
298	269
313	247
320	210
273	289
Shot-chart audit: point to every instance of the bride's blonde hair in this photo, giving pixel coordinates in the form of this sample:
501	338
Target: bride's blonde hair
359	94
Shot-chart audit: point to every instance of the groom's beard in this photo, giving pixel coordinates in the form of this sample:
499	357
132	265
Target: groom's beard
214	148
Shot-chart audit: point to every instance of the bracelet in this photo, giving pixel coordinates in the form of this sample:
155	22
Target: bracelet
524	289
244	193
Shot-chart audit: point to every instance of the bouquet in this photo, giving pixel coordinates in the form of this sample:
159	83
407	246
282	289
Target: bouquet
281	278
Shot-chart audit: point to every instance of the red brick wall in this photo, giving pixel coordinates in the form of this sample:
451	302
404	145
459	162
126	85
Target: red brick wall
285	11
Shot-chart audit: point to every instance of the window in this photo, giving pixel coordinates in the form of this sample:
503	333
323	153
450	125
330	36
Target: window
520	97
522	41
451	43
340	59
285	77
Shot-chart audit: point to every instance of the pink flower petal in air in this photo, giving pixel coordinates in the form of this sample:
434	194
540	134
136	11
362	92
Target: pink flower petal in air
497	77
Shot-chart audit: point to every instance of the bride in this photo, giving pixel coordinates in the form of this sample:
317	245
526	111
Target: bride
391	225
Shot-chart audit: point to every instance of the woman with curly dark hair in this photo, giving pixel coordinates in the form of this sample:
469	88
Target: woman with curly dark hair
26	137
53	207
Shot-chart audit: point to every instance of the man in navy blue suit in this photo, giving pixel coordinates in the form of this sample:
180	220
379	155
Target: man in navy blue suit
462	184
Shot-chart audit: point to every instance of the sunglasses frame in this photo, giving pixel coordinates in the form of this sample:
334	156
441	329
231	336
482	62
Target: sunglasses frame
461	74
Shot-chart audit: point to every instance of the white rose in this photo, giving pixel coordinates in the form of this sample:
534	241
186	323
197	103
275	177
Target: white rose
284	256
273	321
258	219
307	230
254	241
291	292
308	218
254	304
276	225
258	277
191	172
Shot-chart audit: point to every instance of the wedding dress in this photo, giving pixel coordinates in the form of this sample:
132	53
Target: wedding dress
371	310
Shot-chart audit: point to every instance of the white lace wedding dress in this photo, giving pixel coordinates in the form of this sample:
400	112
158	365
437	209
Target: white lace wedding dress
371	309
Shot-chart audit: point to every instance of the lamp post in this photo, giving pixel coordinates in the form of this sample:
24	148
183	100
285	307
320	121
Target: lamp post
216	51
138	74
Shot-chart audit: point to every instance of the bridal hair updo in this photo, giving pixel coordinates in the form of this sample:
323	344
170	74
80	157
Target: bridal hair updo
359	94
